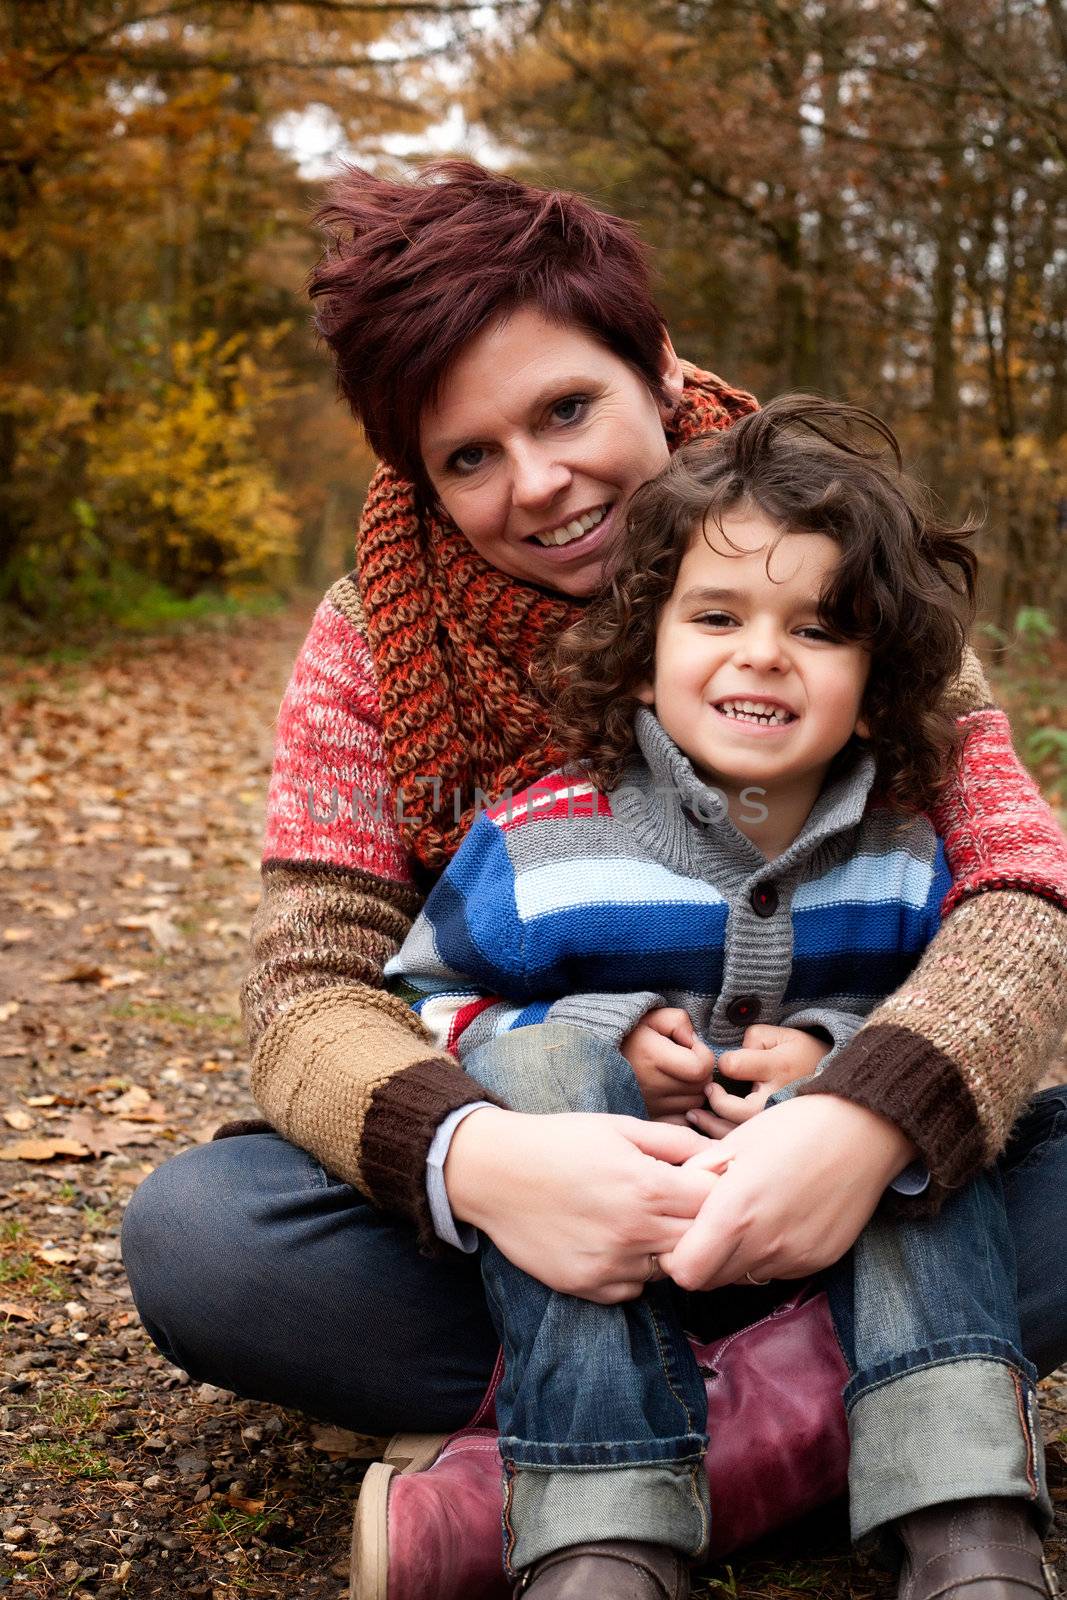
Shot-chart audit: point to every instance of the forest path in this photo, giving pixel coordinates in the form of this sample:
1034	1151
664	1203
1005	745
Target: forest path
131	808
132	788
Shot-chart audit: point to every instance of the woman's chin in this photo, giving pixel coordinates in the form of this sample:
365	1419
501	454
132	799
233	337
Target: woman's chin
577	583
580	585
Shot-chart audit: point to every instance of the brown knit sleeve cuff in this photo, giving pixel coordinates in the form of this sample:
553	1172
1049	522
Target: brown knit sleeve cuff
351	1075
912	1083
405	1113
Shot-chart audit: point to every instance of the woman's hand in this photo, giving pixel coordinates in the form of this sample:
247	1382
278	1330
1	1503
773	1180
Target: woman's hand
769	1057
671	1065
797	1186
580	1201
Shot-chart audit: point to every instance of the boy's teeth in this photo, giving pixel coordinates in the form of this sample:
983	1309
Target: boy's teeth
570	531
754	711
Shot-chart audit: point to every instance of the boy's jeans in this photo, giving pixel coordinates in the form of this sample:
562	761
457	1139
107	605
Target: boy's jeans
602	1409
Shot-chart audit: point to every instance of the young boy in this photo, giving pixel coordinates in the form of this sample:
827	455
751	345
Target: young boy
736	874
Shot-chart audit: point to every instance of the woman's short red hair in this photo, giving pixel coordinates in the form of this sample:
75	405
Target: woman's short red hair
414	269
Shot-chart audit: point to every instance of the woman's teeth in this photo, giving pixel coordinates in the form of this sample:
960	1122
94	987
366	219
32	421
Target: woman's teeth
755	711
573	530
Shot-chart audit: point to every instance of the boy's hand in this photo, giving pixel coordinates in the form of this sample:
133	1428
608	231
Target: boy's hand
670	1063
769	1058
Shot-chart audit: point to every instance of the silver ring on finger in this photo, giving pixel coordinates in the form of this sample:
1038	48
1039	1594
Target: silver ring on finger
653	1267
759	1283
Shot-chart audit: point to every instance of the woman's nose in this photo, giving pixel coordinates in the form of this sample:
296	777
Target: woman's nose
536	478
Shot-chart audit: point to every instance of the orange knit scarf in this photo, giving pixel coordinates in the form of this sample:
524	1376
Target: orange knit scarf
453	639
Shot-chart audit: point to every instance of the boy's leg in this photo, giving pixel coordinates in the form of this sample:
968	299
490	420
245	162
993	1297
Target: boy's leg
601	1409
253	1269
941	1404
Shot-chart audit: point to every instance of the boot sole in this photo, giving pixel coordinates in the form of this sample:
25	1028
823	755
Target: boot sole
369	1573
369	1568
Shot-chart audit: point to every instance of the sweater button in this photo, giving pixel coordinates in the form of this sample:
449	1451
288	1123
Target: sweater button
764	899
743	1010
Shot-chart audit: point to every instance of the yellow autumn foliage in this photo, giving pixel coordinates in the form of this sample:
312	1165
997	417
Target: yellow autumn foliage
176	477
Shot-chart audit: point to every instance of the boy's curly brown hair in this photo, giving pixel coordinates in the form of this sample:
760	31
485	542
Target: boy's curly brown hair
904	588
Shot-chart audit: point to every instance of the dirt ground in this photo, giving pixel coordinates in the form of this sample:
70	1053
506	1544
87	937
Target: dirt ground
131	807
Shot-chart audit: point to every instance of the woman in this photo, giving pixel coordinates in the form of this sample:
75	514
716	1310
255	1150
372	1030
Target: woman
501	347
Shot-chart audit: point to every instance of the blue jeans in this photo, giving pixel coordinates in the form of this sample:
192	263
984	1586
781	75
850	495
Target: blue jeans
602	1408
255	1270
927	1314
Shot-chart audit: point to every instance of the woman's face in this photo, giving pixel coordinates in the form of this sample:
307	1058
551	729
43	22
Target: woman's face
536	443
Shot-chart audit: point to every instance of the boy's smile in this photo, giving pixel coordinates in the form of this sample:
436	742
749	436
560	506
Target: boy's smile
748	683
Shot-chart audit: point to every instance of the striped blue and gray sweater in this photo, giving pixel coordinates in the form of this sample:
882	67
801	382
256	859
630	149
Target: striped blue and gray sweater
569	905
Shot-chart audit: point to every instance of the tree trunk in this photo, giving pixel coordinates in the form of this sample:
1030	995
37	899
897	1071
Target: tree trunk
944	395
829	246
14	513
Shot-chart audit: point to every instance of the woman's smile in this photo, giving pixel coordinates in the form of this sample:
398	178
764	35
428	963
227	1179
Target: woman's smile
579	537
572	529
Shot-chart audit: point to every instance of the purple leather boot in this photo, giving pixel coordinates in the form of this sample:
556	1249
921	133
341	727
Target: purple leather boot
428	1523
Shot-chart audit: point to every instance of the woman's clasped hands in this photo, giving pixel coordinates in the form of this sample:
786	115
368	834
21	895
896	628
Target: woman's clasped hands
793	1191
589	1204
597	1205
794	1188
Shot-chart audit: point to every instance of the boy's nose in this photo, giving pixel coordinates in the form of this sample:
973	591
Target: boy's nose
762	648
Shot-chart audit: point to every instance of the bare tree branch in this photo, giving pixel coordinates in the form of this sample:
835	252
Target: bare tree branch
429	8
657	141
178	61
1058	12
71	48
1053	127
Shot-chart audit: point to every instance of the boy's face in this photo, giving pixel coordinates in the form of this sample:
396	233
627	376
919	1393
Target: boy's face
733	635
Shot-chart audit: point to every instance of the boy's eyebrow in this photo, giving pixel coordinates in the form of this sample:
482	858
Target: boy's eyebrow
707	595
704	596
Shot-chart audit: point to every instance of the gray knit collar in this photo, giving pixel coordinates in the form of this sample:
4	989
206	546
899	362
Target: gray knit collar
673	811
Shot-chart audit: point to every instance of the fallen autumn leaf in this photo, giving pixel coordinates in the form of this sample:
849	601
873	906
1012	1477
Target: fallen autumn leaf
42	1150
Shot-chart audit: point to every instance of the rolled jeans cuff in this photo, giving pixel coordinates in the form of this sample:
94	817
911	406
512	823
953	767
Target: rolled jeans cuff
898	1444
550	1508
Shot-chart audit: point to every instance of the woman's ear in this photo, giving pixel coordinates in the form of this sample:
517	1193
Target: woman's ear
671	379
645	692
863	728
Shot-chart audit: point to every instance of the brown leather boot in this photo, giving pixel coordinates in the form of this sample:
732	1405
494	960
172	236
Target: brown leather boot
612	1569
973	1550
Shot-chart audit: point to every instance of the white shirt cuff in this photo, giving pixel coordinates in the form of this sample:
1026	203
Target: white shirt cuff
915	1179
463	1236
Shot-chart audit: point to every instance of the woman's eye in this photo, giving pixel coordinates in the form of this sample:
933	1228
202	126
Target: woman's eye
469	459
570	409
